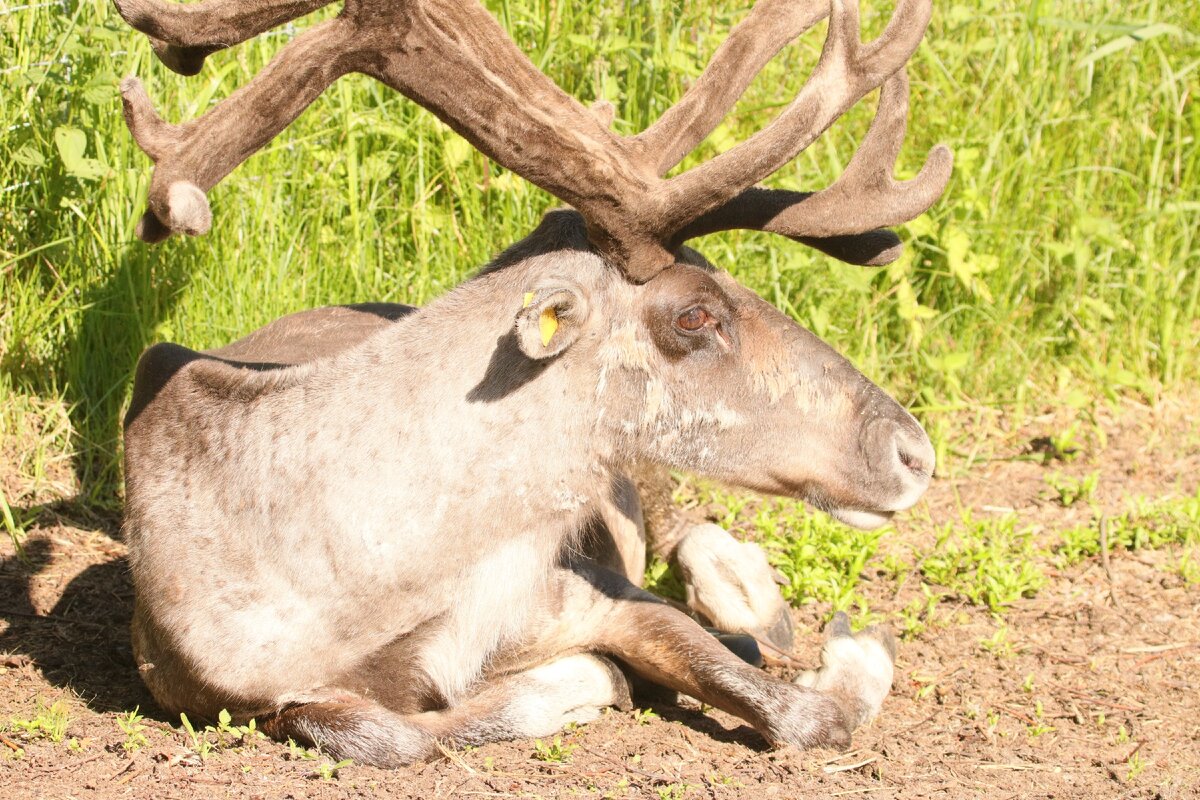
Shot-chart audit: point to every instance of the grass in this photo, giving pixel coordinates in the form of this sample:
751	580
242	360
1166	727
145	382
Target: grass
49	722
990	562
1062	261
1148	524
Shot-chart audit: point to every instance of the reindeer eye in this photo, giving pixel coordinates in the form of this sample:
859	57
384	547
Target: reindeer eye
693	319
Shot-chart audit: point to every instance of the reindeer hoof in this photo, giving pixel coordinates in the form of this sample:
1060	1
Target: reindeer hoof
731	584
741	645
809	719
856	669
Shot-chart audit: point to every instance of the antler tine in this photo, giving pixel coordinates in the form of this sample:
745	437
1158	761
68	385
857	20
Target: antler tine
769	26
450	56
845	72
191	158
453	58
184	35
864	197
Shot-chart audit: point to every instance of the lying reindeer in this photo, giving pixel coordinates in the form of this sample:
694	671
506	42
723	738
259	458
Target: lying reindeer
415	535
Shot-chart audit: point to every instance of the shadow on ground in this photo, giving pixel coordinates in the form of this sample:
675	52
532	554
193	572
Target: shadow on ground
81	643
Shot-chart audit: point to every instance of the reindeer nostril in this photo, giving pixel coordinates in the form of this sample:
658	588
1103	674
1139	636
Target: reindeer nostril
914	464
915	453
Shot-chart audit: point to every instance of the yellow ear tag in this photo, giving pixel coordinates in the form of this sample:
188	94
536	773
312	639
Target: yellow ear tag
528	299
547	324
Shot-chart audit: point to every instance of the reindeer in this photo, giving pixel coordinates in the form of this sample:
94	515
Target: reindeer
380	529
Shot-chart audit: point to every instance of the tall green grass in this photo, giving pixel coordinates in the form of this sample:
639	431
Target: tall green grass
1061	261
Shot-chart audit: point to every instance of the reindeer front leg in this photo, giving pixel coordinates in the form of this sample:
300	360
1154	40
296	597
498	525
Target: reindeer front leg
663	645
729	583
192	157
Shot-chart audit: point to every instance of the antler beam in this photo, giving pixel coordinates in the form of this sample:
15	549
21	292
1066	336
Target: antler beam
452	57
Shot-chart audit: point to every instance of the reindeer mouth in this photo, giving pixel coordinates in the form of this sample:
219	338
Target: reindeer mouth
863	520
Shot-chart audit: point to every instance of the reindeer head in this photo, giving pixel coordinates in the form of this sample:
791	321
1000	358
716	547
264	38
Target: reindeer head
684	331
696	372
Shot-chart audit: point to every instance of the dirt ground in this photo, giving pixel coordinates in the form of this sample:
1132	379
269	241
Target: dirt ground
1095	692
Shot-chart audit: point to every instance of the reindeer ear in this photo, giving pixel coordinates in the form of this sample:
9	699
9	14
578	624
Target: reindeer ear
550	321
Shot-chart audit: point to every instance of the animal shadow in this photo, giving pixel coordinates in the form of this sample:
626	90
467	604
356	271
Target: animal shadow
82	644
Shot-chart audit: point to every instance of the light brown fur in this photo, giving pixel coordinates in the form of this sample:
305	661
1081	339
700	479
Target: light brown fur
420	531
389	532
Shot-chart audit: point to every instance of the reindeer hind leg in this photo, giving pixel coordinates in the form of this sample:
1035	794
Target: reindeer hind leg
537	702
354	728
184	35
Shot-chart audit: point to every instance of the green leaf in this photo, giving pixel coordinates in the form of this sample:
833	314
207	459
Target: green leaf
1127	41
72	143
100	90
965	266
457	150
29	156
950	362
907	305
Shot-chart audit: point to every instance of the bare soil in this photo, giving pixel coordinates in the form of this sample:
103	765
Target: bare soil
1094	693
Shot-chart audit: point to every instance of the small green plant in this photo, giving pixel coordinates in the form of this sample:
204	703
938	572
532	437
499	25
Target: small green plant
1188	568
1135	765
1077	543
14	524
998	643
200	744
1069	490
131	725
662	579
988	562
821	559
674	791
1039	727
328	772
229	735
644	716
50	722
224	736
620	789
298	753
721	779
926	685
919	614
1145	525
1061	445
555	752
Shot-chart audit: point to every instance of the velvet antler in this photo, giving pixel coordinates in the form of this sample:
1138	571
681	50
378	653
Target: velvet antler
452	57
